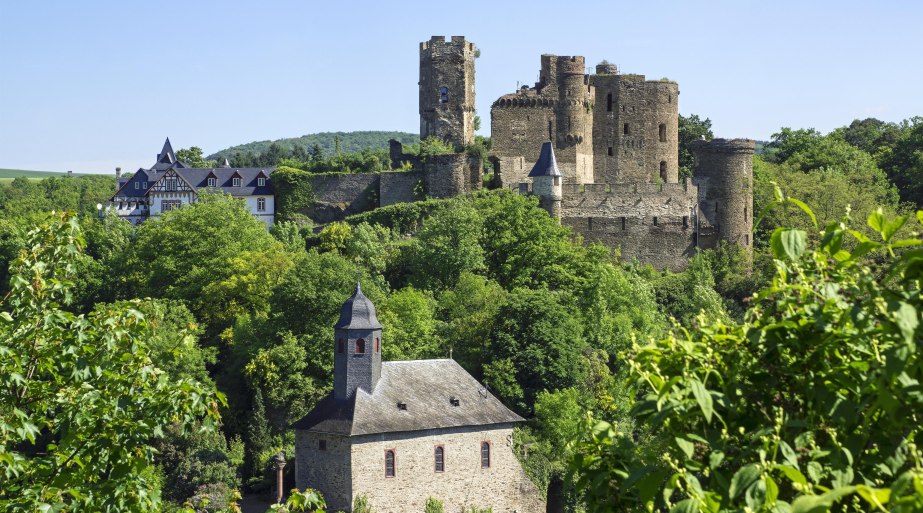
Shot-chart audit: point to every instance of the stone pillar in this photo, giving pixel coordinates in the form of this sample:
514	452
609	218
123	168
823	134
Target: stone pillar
280	464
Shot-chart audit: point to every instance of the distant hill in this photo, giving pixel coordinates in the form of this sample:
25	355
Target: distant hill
7	175
349	142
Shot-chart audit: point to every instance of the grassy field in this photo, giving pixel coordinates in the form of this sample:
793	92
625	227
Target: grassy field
7	175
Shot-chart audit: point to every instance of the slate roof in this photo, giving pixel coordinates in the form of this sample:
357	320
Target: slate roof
546	165
426	387
358	313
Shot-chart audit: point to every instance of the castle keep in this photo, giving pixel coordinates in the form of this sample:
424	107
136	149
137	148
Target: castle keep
614	141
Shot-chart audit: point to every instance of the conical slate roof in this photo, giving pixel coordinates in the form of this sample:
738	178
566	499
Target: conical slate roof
546	164
358	313
166	154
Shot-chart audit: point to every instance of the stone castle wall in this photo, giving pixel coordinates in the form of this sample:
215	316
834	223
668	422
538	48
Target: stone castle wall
447	176
398	187
504	486
724	172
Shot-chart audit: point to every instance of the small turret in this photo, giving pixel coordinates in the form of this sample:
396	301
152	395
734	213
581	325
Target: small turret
357	347
546	181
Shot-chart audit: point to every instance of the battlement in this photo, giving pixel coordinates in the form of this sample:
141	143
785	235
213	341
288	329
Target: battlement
440	41
607	69
627	189
524	101
571	65
724	146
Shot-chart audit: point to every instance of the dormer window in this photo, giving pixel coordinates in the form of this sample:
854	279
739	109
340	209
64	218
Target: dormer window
454	401
402	406
137	185
236	182
144	185
261	182
212	181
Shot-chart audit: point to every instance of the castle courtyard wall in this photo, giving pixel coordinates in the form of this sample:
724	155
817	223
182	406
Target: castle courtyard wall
503	486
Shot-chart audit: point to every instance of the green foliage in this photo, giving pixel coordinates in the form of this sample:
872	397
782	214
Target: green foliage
193	157
80	398
361	504
467	312
31	199
430	147
691	129
811	404
309	500
294	192
434	505
408	317
334	236
447	245
195	464
319	143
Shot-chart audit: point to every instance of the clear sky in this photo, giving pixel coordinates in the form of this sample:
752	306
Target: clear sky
90	85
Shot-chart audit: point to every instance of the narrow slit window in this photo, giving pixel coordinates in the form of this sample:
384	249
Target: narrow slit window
623	223
341	346
610	151
626	130
609	102
322	445
663	132
663	171
377	345
655	220
485	454
685	221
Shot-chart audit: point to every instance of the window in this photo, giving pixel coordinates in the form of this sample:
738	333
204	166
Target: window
485	454
211	181
261	181
261	204
663	171
360	346
626	130
389	463
623	223
685	221
655	220
377	345
137	185
236	182
663	132
439	457
610	151
170	183
609	102
144	185
168	205
322	445
444	94
341	346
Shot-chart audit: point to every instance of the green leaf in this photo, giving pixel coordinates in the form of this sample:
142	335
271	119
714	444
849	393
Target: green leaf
686	446
789	454
686	506
819	503
744	477
703	397
891	227
788	243
877	497
907	321
876	221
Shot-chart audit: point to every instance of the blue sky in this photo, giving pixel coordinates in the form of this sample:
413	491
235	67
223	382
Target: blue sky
92	85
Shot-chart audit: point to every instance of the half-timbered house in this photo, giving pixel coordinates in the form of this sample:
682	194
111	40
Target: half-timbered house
170	183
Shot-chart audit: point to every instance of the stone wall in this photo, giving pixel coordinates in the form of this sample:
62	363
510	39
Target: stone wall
327	470
339	195
503	486
447	176
398	187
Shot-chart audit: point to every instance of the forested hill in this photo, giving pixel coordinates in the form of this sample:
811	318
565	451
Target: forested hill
350	142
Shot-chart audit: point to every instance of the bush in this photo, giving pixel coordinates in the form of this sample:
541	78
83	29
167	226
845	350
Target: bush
433	505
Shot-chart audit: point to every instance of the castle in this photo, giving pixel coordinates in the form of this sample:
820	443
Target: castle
614	138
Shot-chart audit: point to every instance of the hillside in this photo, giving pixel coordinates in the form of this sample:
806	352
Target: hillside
349	142
15	173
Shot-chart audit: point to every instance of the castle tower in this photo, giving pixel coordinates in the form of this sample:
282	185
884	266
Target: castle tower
724	174
357	347
573	115
447	90
546	181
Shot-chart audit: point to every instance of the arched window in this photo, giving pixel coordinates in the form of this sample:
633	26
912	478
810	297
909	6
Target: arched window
485	454
341	346
663	132
444	94
389	463
663	171
377	345
439	456
360	346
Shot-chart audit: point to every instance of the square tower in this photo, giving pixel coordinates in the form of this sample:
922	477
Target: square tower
447	90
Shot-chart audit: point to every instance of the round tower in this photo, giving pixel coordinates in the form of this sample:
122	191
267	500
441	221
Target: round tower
357	347
574	138
447	90
546	181
663	129
724	174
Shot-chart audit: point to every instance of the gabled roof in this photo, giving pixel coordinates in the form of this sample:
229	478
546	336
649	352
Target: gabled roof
427	387
358	313
546	165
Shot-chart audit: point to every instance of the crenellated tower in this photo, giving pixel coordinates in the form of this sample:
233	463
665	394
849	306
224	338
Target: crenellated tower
447	90
357	347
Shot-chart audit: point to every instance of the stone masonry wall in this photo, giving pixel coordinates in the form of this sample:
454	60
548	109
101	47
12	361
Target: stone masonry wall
724	170
339	195
649	222
503	487
398	187
327	470
447	176
447	114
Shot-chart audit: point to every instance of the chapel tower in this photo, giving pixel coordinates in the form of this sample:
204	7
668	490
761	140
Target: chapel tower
357	347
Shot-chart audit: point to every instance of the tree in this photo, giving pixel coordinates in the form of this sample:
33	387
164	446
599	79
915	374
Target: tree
193	157
447	244
80	398
409	326
691	128
812	404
